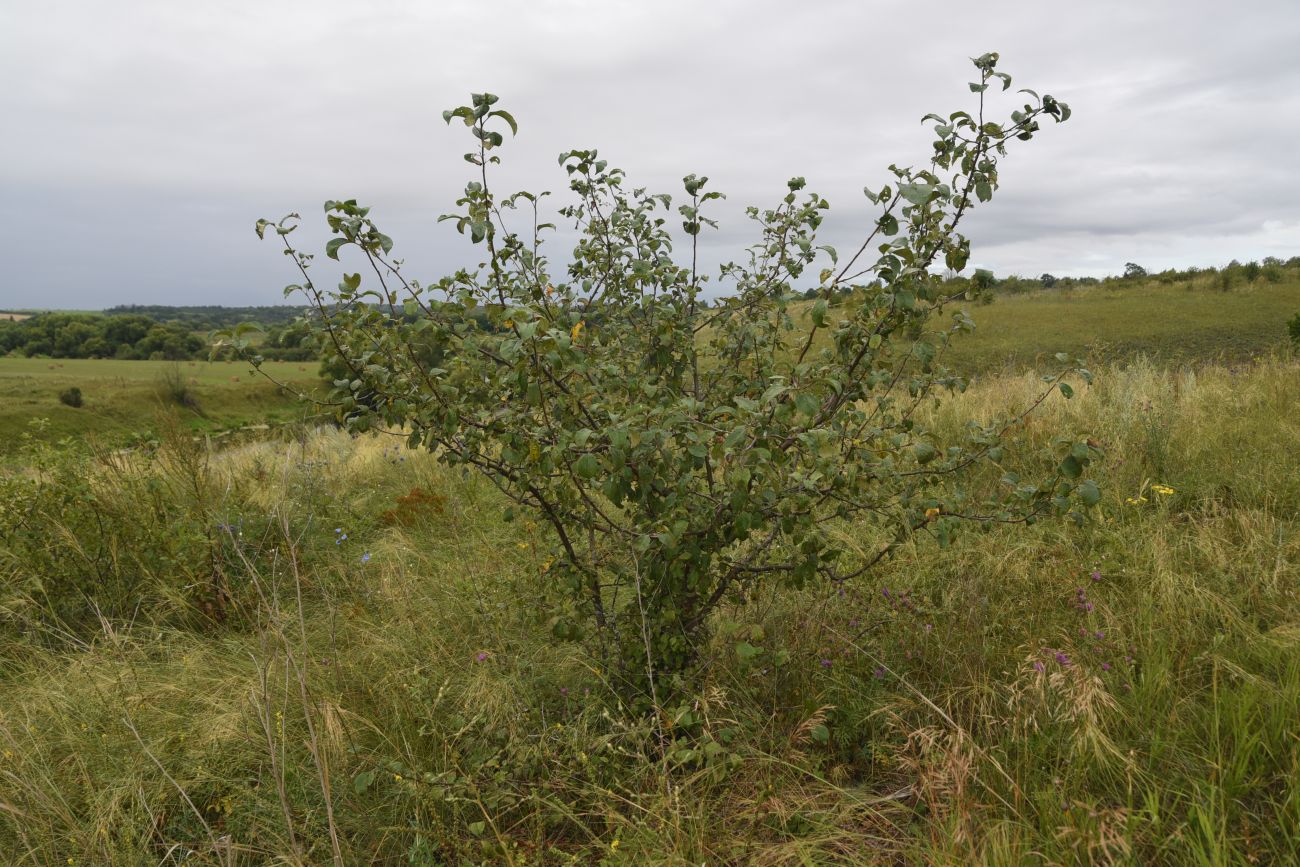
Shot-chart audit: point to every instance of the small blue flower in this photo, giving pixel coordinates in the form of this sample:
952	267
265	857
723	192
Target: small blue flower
365	558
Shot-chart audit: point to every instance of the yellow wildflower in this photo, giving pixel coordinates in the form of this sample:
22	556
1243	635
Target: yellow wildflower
1164	490
931	514
577	330
1133	501
613	847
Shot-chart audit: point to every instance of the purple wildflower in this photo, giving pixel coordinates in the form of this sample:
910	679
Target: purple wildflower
1105	666
1062	658
1038	666
826	663
482	656
879	673
1096	575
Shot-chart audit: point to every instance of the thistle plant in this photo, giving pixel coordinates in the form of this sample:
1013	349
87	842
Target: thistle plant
681	452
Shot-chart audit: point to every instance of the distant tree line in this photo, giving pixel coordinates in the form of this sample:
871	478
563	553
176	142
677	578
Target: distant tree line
91	335
1270	269
212	316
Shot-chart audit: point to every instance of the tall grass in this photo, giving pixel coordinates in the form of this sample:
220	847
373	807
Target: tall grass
1125	692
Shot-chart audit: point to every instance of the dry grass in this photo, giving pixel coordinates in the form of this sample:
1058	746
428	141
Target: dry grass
411	710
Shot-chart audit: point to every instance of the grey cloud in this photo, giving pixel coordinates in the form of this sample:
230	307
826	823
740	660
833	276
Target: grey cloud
143	139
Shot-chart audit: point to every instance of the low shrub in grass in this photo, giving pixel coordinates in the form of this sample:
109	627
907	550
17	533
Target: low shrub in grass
683	454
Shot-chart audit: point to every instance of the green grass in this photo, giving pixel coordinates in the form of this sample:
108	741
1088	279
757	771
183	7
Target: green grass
122	397
420	689
1171	323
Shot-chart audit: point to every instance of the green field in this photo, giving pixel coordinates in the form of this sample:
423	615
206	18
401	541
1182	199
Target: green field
1169	323
121	398
1173	324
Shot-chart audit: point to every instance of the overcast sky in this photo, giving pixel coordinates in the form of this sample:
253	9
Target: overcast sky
141	140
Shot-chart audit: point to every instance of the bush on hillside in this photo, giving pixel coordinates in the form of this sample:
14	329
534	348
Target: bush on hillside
682	456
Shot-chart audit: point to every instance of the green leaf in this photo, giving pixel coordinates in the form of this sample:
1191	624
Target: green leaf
363	781
1088	492
587	466
332	248
807	403
917	194
925	453
819	313
508	118
747	651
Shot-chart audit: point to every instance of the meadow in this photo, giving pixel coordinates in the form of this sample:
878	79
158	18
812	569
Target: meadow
317	648
121	398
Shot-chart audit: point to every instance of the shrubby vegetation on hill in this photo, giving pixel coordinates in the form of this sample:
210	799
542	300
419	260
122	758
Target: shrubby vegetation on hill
681	456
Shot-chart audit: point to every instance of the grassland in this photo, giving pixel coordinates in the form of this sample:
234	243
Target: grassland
334	649
1173	324
122	397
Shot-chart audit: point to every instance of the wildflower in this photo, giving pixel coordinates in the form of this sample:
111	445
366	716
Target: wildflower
1099	634
482	656
929	627
613	847
1038	666
397	778
338	530
879	673
931	514
1133	501
365	558
1062	658
1096	575
564	691
826	663
1105	666
1163	490
577	330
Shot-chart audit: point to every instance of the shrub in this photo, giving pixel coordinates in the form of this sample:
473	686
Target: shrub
174	388
681	456
71	397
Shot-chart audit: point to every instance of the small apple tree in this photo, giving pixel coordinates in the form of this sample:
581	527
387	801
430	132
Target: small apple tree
680	452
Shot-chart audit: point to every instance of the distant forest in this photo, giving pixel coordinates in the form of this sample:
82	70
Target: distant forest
150	332
211	317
